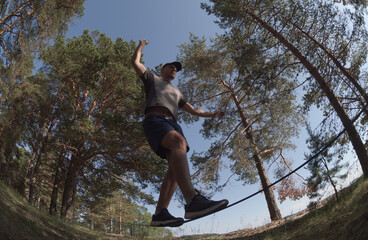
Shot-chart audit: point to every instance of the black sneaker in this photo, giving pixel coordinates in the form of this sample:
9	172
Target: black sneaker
201	206
165	219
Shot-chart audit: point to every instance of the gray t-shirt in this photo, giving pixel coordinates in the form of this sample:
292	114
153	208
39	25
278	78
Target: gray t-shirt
160	92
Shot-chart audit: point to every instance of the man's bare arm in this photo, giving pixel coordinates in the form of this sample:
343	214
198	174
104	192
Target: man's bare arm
201	113
136	58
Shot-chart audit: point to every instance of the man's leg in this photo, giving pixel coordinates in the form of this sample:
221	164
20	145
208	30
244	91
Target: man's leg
197	205
167	189
178	163
162	217
177	167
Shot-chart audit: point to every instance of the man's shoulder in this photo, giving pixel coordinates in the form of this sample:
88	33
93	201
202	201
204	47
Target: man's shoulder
150	75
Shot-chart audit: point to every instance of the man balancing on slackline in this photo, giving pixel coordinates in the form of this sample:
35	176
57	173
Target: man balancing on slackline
167	140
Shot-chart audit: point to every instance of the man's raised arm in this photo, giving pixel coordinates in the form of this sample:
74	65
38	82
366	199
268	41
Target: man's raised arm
136	58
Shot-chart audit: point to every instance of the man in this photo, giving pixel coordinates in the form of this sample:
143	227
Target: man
167	140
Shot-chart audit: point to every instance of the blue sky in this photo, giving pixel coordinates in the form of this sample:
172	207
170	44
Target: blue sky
167	24
164	23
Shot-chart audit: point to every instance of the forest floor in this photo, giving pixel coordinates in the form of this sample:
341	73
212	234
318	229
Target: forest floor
344	219
21	221
331	219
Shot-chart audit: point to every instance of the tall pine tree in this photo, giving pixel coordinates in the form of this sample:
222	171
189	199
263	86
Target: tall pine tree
261	115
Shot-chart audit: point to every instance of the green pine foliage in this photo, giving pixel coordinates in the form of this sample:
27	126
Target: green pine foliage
326	45
81	110
215	78
71	139
326	170
97	114
25	28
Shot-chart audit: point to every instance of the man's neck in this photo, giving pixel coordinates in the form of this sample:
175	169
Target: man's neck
167	79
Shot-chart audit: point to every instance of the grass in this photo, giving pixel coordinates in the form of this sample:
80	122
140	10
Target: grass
343	219
19	220
335	220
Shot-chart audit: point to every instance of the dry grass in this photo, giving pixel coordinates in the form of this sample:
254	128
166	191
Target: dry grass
334	220
19	220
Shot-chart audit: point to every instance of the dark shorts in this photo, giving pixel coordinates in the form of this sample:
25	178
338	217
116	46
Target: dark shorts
155	128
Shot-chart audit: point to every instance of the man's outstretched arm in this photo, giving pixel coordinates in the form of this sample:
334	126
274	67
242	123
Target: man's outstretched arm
136	58
201	113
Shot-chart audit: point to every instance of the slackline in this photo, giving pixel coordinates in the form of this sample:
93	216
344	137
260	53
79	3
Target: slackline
295	170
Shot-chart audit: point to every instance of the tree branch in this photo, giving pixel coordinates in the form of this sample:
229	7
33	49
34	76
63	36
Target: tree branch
202	100
14	13
15	22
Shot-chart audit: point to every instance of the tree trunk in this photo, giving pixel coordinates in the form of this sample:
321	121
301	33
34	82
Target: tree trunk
343	70
34	180
273	209
34	163
57	181
28	179
120	217
111	220
275	213
70	188
330	179
335	103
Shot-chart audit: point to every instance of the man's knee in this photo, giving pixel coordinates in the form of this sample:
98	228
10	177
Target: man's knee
174	140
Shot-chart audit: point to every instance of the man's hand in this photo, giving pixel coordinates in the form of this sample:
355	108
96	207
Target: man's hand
143	42
218	114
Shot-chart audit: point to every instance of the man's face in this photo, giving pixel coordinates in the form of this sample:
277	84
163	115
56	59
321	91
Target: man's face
169	72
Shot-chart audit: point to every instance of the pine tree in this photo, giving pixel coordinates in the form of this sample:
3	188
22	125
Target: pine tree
100	117
25	28
267	18
326	168
261	116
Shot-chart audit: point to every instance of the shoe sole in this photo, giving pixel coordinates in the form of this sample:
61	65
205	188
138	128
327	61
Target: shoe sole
207	211
170	223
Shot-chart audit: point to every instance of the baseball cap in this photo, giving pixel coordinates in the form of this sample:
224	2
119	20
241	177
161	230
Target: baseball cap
177	65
